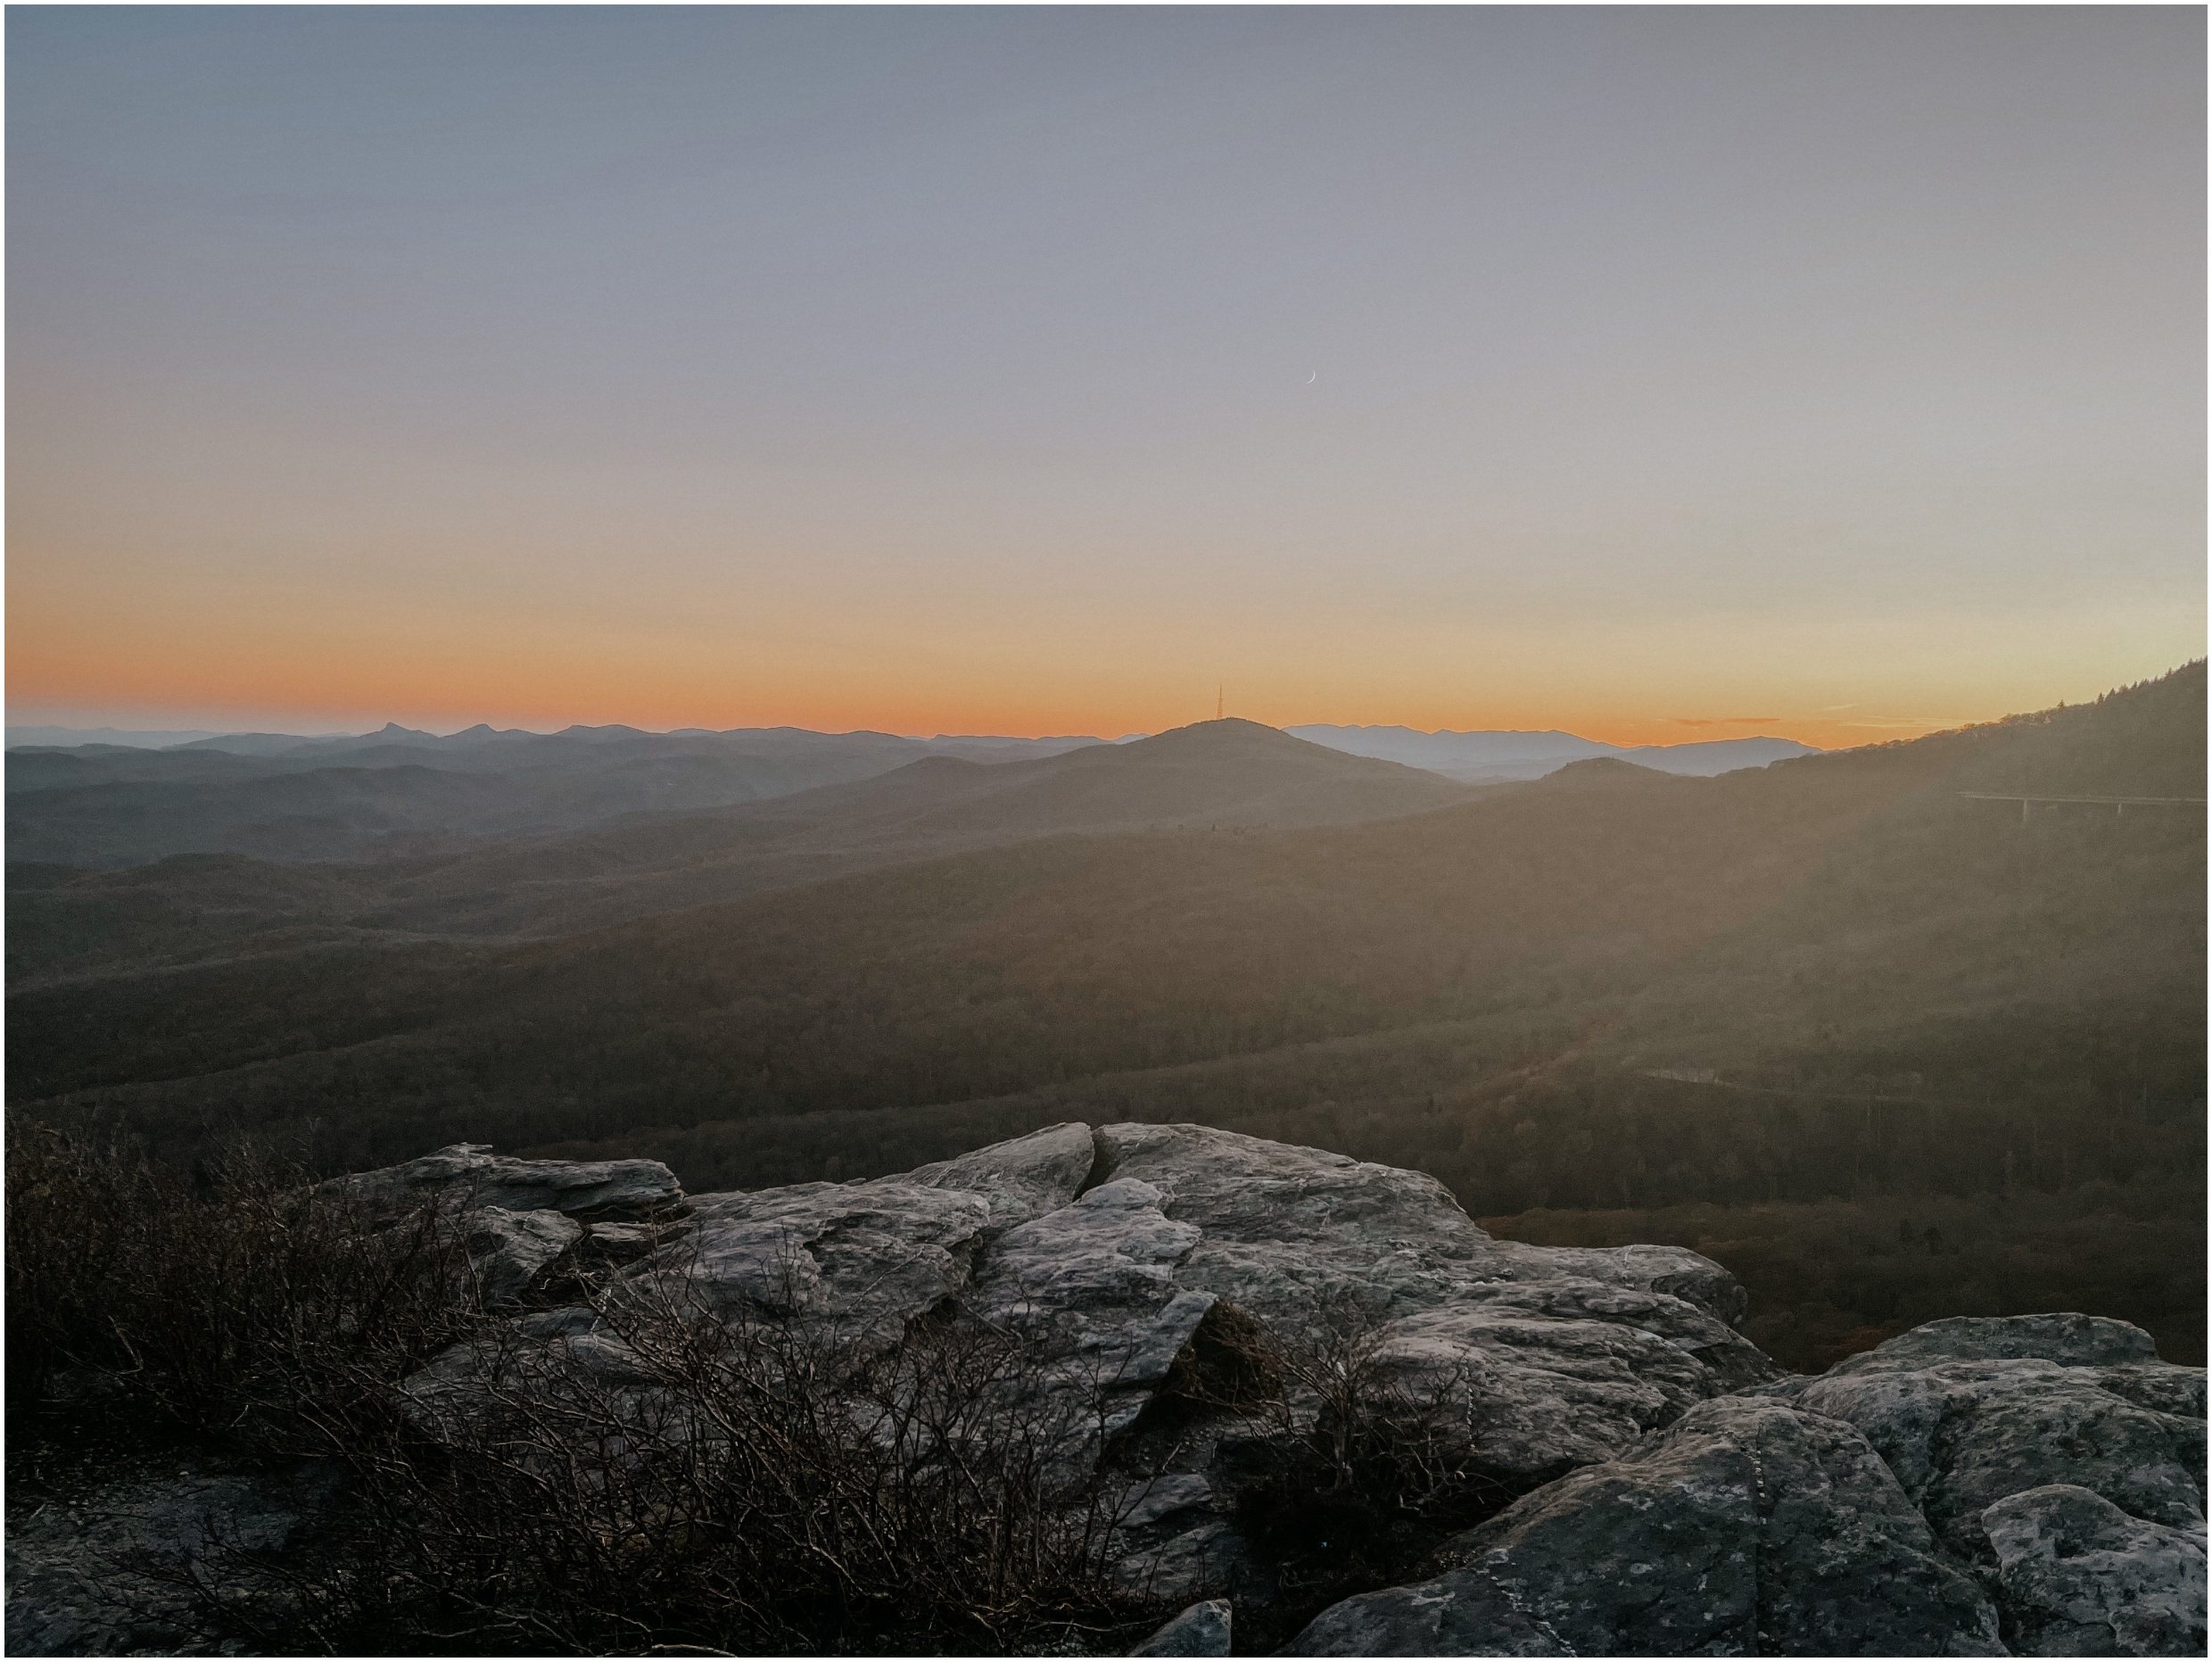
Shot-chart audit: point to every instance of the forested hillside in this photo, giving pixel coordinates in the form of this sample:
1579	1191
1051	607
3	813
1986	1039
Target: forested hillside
1217	775
398	794
1840	981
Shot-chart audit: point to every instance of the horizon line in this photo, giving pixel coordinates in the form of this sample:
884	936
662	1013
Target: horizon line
79	724
195	734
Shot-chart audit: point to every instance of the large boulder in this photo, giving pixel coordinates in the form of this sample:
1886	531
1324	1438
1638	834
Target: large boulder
2003	1429
1119	1256
1570	1355
1969	1413
1747	1527
1543	1390
2077	1576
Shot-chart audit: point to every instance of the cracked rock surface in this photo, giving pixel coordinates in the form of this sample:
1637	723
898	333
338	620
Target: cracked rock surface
471	1175
1747	1527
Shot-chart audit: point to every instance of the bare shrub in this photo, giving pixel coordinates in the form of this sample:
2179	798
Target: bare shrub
218	1302
660	1474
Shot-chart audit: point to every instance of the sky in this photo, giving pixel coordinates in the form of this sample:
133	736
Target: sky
1653	374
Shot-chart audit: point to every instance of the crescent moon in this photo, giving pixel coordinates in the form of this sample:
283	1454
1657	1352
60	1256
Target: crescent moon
1315	376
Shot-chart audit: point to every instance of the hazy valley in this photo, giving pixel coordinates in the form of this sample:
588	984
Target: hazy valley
1887	1048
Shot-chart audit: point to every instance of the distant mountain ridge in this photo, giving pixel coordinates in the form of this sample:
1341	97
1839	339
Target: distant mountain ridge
484	733
938	936
770	800
1484	756
129	737
401	791
1473	758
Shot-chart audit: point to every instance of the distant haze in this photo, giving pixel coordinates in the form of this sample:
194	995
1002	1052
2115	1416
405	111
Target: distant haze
1474	756
1651	374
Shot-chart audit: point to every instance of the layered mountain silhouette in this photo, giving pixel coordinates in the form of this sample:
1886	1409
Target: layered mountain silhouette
1815	1006
1225	774
398	792
1234	890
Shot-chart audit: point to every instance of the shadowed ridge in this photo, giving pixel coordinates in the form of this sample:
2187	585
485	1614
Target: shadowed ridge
1601	773
1232	740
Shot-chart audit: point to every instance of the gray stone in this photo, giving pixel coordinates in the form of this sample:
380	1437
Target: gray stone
1539	1395
1173	1544
2081	1577
1746	1527
469	1175
1093	1285
2159	1387
2064	1337
1201	1631
1969	1412
95	1577
1038	1173
1543	1363
1284	1227
1574	1354
508	1248
1548	1359
860	1259
1163	1497
1674	1270
1691	1499
620	1243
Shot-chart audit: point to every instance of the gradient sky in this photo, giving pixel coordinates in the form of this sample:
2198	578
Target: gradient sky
1654	374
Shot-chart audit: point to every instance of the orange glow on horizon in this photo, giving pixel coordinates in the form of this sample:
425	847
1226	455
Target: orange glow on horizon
168	649
202	681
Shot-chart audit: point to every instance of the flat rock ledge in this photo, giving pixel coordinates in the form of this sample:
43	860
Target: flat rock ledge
2027	1486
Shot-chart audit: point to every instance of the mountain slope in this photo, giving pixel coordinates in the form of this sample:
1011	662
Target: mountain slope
398	790
1227	773
1947	909
961	977
1640	919
1490	756
1218	772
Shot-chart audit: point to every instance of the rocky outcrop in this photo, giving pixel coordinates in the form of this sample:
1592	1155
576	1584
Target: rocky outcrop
1747	1527
1968	1412
2034	1479
470	1175
1201	1631
2032	1482
1114	1253
2078	1576
1112	1247
2058	1456
1018	1179
1573	1356
861	1258
2038	1478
